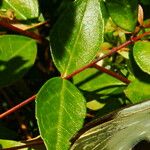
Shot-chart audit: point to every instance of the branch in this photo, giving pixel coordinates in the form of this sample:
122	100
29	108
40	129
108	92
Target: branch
113	74
114	50
15	108
33	35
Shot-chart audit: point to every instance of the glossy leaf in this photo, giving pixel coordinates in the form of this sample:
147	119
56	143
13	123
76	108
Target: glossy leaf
119	131
141	55
17	55
60	112
23	9
124	13
77	35
138	90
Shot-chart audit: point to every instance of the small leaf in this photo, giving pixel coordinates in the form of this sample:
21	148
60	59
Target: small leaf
77	36
10	144
121	130
124	13
138	90
17	55
60	112
141	55
23	9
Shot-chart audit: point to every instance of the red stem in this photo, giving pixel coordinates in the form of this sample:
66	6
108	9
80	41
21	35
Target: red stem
114	50
37	37
115	75
15	108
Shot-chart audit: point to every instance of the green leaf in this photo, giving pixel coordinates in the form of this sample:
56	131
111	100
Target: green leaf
100	90
60	112
23	9
77	35
10	143
94	80
117	131
124	13
17	55
138	90
141	55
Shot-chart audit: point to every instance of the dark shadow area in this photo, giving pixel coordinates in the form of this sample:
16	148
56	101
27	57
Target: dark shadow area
62	31
135	69
146	8
142	145
49	8
11	71
61	14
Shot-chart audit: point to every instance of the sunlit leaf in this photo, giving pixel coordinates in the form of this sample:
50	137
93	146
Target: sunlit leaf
124	13
138	90
141	53
77	35
60	112
23	9
118	131
17	55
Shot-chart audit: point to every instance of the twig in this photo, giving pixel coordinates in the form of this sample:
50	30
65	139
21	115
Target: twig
114	50
22	125
115	75
15	108
37	37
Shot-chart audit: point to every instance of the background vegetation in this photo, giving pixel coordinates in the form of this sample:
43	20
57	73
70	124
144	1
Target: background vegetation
79	60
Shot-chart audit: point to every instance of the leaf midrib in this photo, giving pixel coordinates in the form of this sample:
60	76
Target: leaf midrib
15	9
60	114
77	37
